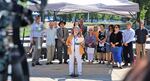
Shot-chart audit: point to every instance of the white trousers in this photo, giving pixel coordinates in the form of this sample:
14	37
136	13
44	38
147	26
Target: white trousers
75	54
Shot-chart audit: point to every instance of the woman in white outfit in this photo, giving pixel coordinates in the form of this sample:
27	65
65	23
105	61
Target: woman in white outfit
75	43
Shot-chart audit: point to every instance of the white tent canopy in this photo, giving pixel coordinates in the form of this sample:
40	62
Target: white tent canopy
119	7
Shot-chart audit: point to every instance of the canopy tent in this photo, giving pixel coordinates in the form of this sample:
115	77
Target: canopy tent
119	7
65	7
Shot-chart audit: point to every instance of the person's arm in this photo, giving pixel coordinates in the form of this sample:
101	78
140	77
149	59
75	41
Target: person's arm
86	42
146	34
104	40
68	41
111	40
67	34
83	42
58	34
32	34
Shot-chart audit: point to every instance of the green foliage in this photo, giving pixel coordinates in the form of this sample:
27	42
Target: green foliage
143	13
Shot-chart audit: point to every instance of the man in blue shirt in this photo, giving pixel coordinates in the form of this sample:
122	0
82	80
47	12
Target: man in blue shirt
128	36
36	40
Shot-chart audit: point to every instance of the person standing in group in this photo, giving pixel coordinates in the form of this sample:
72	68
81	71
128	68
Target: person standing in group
75	43
56	39
83	30
75	24
90	43
50	42
62	34
101	48
108	47
96	33
141	35
82	27
36	40
116	44
128	37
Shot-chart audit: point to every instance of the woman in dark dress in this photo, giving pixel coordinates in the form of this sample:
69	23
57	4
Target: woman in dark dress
116	44
101	47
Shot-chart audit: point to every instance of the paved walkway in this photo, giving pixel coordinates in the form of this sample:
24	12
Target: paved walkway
91	72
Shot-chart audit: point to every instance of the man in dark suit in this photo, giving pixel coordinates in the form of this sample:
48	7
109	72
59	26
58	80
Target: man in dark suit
62	34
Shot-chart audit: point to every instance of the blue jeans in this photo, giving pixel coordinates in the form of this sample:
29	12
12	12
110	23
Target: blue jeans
117	52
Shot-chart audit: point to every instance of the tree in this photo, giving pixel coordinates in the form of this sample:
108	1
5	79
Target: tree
144	6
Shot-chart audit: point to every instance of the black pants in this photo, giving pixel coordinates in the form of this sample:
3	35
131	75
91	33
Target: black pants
128	53
62	55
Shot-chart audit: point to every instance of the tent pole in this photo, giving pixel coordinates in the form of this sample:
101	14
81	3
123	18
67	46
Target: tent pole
88	17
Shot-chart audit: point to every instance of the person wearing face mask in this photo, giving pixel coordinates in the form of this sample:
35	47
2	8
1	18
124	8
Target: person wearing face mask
141	36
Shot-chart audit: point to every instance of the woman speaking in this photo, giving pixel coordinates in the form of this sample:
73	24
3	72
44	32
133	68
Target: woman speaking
75	43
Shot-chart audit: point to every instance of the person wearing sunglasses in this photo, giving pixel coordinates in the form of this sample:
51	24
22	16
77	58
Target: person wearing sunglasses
116	44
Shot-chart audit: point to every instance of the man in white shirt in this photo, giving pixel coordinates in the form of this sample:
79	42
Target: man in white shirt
50	42
128	36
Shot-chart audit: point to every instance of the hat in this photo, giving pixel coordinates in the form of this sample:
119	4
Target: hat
62	22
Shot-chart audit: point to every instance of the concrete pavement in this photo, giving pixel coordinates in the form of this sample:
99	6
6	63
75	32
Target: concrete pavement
91	72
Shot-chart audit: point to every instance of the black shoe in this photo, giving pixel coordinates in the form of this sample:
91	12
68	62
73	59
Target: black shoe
38	63
72	75
33	64
65	62
51	62
125	65
121	67
60	62
99	62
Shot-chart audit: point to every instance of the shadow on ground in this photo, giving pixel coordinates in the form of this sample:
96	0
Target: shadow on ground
59	72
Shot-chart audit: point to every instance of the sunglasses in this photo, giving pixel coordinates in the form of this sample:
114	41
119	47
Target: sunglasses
116	27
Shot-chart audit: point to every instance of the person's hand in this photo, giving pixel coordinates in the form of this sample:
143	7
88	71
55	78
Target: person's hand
96	43
126	44
63	41
113	45
32	42
103	41
89	44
